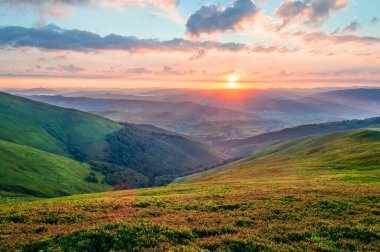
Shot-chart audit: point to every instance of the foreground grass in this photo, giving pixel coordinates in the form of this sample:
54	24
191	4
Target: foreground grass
321	195
200	216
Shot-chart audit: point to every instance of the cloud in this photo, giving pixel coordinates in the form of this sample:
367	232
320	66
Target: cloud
52	37
374	20
165	70
317	37
311	11
270	49
352	27
213	18
55	8
200	54
60	8
71	68
48	75
169	70
235	72
138	70
352	71
163	4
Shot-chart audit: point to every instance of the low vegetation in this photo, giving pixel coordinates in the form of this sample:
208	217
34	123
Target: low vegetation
322	197
120	177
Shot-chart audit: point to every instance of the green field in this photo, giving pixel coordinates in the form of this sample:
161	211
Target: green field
28	171
318	193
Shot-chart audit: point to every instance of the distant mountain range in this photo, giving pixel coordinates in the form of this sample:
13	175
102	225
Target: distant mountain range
219	115
205	123
368	99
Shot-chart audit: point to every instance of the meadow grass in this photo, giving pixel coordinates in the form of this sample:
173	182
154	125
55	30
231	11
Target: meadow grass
27	172
322	198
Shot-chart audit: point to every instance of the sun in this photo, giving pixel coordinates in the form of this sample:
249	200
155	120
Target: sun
232	79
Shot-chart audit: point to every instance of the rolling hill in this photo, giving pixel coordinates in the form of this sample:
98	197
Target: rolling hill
244	147
344	155
31	172
85	137
318	193
60	131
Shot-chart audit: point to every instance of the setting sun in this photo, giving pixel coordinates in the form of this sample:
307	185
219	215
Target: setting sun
232	79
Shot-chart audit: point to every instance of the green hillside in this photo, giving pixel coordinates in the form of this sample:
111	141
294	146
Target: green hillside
345	155
61	131
255	144
28	171
132	157
317	193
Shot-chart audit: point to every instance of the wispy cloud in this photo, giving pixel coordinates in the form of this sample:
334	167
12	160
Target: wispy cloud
352	27
71	68
320	37
163	4
61	8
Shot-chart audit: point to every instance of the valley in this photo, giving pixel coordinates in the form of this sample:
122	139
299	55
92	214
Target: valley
213	116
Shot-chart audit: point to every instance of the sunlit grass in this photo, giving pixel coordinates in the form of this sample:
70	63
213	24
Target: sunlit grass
323	199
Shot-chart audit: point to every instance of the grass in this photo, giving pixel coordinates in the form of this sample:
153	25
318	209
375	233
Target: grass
324	197
346	156
30	172
52	129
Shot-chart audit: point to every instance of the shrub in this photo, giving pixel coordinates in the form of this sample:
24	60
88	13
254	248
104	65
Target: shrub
91	178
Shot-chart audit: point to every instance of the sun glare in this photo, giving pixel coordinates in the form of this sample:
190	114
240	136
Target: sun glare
232	79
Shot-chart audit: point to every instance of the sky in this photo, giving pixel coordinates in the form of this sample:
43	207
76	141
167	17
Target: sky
189	43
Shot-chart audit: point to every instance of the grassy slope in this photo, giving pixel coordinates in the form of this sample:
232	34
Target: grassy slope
255	144
154	154
51	128
28	171
347	155
315	194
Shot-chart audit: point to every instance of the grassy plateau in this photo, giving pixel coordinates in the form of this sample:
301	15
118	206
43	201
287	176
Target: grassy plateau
319	193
